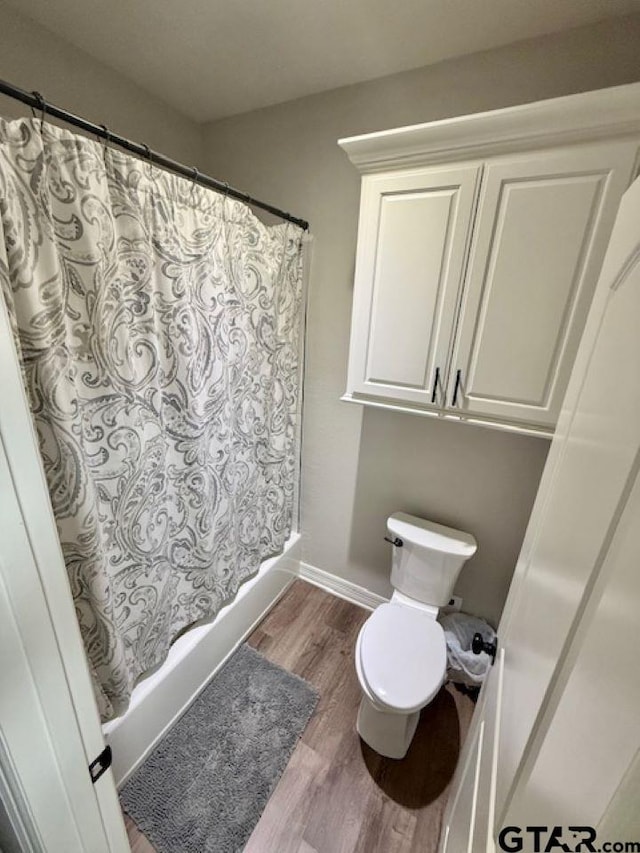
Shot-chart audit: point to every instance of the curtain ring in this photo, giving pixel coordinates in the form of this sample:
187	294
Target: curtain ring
106	137
42	106
195	175
148	157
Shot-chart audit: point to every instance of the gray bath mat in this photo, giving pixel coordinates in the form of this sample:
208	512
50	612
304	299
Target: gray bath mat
205	785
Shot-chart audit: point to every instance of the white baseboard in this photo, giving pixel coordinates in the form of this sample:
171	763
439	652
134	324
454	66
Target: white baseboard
340	587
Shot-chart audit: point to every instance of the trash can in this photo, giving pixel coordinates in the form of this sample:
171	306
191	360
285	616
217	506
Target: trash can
463	665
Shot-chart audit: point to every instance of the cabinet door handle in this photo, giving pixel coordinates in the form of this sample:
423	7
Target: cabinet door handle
454	401
436	382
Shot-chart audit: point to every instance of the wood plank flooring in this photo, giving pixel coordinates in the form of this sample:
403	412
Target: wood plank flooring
337	795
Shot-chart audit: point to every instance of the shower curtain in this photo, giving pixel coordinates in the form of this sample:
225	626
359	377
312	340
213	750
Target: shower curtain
157	325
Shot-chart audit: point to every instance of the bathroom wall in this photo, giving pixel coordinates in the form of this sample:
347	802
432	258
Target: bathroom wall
33	58
362	464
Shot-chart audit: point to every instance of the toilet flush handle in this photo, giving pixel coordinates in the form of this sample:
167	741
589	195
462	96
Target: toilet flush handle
395	541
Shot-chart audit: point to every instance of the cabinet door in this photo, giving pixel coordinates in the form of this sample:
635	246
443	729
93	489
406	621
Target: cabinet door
542	227
413	239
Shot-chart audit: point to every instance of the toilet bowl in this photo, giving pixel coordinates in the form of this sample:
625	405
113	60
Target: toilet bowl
401	661
401	654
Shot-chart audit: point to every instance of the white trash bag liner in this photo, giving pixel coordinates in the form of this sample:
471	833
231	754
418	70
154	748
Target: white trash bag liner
463	666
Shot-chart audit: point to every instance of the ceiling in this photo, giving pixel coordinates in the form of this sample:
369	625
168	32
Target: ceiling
213	58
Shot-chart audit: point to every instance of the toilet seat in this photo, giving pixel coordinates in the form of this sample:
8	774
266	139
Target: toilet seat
403	657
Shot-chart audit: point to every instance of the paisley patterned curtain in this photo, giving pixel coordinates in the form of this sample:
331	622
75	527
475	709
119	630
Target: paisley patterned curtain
157	324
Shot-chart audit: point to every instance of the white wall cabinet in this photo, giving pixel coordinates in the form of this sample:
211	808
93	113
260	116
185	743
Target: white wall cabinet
413	239
474	276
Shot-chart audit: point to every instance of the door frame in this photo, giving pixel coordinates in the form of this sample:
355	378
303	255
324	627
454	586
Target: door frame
37	612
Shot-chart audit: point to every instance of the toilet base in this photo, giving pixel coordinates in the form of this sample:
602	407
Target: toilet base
388	733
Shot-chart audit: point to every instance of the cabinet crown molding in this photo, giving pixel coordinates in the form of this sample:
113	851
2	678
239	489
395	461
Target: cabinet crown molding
559	121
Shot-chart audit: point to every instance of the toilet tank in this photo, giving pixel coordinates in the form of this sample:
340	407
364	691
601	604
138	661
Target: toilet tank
427	565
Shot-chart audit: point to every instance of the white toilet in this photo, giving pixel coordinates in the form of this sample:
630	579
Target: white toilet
401	655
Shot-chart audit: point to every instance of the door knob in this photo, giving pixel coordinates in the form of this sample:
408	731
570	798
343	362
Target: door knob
479	645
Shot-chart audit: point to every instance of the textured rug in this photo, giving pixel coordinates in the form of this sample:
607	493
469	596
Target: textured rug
205	785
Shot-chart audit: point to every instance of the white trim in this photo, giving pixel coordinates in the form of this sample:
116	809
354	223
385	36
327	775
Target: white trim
17	809
558	121
341	587
194	658
42	752
43	570
539	432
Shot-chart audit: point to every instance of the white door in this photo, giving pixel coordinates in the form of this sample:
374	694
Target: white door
542	227
562	712
49	725
589	733
412	243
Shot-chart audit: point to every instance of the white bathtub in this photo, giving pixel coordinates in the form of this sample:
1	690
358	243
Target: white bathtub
159	698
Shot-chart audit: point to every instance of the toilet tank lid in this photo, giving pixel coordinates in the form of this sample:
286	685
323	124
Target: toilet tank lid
428	534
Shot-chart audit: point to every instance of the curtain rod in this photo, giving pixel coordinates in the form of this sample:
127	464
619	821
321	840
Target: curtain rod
36	101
